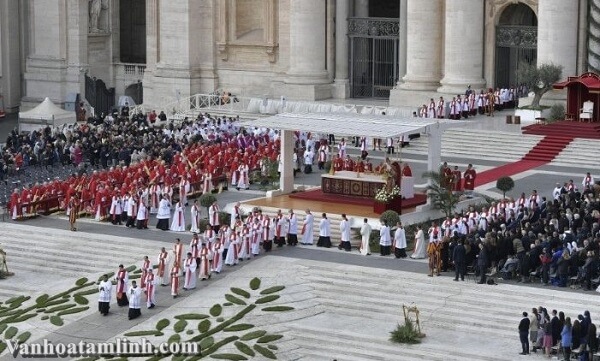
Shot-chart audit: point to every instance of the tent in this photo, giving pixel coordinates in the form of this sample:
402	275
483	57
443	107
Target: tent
46	113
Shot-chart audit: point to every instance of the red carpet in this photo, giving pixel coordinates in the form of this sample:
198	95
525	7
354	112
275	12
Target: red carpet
544	152
565	128
548	148
318	195
509	169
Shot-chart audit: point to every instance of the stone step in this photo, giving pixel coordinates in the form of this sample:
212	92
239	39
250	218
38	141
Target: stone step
330	277
349	339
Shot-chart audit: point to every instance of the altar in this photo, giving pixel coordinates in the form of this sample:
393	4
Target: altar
364	185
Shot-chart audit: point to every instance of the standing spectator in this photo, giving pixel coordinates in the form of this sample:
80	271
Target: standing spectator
459	257
482	262
534	324
524	334
566	340
592	343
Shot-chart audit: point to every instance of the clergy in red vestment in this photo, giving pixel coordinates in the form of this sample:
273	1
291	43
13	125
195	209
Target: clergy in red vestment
406	171
470	176
456	180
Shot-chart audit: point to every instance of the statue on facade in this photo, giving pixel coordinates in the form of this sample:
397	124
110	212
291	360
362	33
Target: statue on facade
96	7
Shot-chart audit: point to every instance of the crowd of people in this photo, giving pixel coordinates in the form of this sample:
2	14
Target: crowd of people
123	168
554	333
555	242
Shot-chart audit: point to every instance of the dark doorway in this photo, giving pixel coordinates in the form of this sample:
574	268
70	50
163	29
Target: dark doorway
384	9
373	56
516	43
101	98
136	92
132	19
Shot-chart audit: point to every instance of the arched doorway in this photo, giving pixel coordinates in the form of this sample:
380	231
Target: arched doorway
516	42
136	92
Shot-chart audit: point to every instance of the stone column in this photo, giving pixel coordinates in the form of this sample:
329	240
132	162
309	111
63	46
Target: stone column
463	56
77	49
46	65
10	50
185	50
286	179
361	8
151	50
307	51
402	41
558	44
423	45
342	84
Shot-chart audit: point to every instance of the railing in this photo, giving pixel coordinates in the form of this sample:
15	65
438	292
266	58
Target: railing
213	103
130	71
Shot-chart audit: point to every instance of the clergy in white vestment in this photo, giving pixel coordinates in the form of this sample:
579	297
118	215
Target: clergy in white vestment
164	262
345	234
588	181
324	232
213	216
195	217
164	214
385	241
189	267
135	300
365	233
178	223
141	219
235	214
146	266
244	250
420	246
217	251
105	289
256	233
243	181
231	258
400	241
150	282
204	272
307	229
292	235
175	274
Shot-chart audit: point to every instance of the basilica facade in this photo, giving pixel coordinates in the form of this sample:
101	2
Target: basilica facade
407	51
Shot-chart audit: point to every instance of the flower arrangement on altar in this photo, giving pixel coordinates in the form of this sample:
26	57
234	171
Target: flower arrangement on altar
385	196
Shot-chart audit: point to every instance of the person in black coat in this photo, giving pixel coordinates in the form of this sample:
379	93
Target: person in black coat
524	334
556	327
482	262
459	257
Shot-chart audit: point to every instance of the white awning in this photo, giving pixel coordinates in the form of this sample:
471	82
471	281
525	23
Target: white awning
350	124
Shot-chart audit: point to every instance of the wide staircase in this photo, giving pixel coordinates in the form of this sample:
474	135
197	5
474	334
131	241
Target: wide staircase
582	153
56	256
480	144
455	316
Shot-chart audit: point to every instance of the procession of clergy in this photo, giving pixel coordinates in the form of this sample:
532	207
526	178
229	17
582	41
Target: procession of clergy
486	102
207	252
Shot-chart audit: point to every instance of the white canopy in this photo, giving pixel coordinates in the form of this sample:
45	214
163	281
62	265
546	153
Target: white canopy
350	124
46	113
